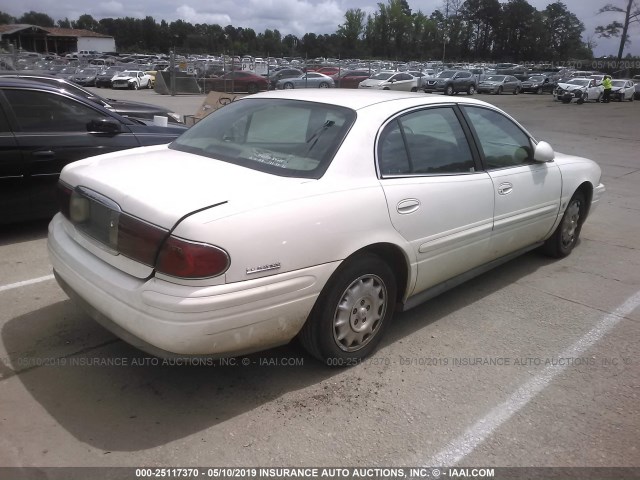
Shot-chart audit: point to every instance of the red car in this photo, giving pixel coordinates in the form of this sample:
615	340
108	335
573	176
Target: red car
351	79
236	82
330	70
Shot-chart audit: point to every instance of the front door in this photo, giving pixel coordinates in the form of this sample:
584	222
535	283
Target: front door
527	193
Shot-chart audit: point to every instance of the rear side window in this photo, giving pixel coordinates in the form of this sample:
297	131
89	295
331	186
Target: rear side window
49	112
427	142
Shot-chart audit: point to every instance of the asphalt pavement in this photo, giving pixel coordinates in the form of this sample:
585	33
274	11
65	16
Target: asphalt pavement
535	363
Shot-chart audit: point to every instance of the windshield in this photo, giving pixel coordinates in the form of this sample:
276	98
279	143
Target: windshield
89	71
537	78
495	78
446	74
618	83
127	73
382	76
582	83
68	70
284	137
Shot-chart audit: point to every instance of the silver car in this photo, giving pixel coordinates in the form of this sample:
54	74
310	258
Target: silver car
308	80
498	84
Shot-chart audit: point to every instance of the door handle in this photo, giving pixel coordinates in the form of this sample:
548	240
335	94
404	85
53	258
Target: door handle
44	154
408	205
505	189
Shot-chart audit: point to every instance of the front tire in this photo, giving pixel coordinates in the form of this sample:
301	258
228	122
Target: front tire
352	311
539	91
499	91
288	86
134	86
516	91
566	235
448	90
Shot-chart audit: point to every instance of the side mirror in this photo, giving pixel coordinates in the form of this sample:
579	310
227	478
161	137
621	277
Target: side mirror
104	125
543	153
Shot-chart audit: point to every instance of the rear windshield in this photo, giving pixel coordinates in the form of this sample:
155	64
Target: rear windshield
290	138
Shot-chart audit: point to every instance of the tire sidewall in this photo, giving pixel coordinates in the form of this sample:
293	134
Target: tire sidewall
323	313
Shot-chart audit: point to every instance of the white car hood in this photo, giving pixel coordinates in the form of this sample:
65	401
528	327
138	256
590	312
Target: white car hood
370	82
161	185
571	87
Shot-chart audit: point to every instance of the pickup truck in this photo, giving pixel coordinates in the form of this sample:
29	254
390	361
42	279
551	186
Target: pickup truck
452	81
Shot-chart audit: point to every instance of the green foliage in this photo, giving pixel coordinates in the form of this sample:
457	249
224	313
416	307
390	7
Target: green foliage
35	18
460	30
631	14
5	18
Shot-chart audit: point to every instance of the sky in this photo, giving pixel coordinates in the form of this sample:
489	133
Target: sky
295	17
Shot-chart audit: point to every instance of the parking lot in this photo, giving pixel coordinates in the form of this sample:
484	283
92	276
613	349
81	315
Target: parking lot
535	363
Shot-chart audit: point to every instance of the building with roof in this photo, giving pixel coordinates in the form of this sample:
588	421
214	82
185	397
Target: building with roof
55	40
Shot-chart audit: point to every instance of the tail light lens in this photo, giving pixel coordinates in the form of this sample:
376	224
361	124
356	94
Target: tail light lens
64	193
187	259
142	241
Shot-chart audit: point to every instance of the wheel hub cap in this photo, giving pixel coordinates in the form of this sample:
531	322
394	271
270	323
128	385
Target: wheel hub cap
360	312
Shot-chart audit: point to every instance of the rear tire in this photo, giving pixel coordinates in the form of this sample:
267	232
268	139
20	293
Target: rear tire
566	235
471	90
499	91
252	88
323	85
352	311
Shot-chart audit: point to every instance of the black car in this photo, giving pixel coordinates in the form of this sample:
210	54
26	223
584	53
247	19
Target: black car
537	84
122	107
42	129
104	77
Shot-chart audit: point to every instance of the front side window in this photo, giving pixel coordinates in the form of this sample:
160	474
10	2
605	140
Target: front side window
426	142
48	112
283	137
502	142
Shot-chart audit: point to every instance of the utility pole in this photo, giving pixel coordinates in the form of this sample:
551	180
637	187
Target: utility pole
446	28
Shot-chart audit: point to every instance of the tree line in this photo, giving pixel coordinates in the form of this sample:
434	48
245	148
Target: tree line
460	30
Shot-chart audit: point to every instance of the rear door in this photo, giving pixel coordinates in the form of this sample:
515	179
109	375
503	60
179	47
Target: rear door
53	130
438	198
15	201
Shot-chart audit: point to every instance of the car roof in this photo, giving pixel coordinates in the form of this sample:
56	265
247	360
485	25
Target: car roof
361	98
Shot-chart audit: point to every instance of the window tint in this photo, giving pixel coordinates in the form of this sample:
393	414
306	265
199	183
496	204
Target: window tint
284	137
503	143
426	142
49	112
4	124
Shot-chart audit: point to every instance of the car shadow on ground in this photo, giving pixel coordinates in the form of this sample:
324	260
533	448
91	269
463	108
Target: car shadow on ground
141	403
23	232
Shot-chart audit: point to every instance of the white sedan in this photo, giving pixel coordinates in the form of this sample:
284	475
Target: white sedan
308	213
401	81
132	79
622	90
579	89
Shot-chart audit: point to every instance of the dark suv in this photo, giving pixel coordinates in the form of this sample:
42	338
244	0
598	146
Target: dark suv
452	81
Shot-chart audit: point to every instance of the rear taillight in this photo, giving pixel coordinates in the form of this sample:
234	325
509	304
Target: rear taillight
101	218
63	193
139	240
187	259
